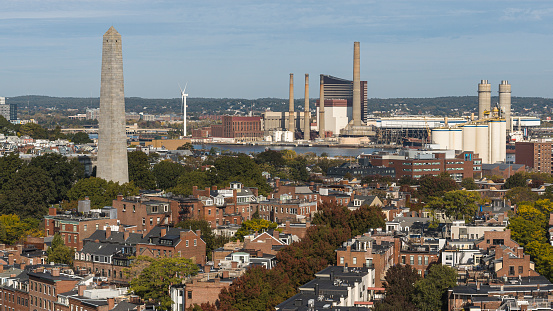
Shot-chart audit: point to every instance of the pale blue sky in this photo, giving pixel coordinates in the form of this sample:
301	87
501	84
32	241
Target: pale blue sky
247	48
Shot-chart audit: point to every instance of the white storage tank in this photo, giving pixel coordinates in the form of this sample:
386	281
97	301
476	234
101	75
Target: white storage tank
495	141
503	140
456	138
288	136
469	138
482	139
441	137
277	136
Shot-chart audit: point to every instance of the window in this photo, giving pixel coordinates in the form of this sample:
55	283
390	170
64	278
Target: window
195	242
411	260
354	260
403	259
520	269
426	260
85	227
189	294
97	226
511	270
420	260
134	209
151	221
341	260
186	243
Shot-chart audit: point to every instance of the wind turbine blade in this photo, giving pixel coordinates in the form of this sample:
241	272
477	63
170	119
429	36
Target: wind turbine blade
181	87
185	86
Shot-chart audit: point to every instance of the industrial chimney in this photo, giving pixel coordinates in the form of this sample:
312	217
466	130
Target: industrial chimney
484	98
291	120
356	86
306	123
505	102
321	122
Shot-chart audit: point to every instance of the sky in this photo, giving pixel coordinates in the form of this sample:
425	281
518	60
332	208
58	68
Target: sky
248	48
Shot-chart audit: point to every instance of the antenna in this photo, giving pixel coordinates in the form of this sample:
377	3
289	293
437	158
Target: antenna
183	98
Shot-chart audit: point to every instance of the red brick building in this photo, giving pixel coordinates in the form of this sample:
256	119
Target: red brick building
14	294
143	212
173	242
463	165
242	128
534	154
73	228
45	285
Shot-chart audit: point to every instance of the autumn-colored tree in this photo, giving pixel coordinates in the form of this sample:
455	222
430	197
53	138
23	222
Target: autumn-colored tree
254	225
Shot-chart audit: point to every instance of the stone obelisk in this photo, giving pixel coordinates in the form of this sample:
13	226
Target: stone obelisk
112	139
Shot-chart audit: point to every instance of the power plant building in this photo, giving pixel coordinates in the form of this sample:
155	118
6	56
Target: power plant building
338	103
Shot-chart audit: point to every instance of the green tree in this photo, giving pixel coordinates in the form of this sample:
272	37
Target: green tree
80	138
516	180
167	173
59	252
9	164
400	287
63	172
529	225
33	130
254	225
140	170
460	204
188	180
186	146
469	184
100	192
28	193
431	292
240	168
435	186
521	194
153	280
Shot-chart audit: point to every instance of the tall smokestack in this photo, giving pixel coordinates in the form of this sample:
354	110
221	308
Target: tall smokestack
306	123
322	108
291	120
356	86
505	102
484	98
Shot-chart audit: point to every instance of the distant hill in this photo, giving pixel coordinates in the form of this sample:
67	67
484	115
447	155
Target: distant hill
451	106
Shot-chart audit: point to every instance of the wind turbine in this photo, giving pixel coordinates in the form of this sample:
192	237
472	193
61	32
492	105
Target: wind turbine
183	97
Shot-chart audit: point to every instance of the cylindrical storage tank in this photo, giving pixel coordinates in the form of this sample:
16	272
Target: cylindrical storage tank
456	138
482	139
288	136
495	139
503	140
469	135
441	137
277	136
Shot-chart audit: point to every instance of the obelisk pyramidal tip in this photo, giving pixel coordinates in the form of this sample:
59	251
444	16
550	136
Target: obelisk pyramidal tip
112	139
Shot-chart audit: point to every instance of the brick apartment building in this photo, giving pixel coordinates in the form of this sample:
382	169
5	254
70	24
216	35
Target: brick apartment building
143	212
534	154
14	293
45	285
418	163
173	242
75	228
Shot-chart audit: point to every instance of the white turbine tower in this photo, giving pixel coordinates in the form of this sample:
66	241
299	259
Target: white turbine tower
183	97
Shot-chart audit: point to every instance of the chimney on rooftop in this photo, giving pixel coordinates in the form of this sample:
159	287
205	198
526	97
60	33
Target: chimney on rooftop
108	232
111	303
163	232
55	272
81	289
